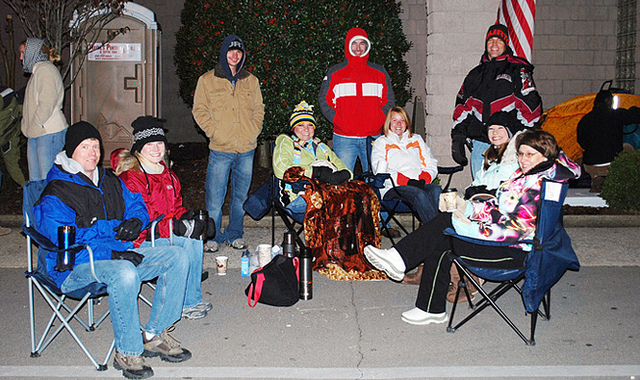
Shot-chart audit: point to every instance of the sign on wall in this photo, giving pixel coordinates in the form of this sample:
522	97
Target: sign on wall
131	52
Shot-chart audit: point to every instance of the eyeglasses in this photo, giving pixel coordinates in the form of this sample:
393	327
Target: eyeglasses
528	154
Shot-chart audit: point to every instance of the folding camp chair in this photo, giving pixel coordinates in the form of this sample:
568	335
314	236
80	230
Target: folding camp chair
395	206
266	198
551	255
59	302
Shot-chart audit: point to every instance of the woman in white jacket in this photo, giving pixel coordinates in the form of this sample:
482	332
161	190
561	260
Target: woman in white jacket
43	121
408	159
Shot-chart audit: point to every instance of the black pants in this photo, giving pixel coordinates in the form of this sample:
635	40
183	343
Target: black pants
427	245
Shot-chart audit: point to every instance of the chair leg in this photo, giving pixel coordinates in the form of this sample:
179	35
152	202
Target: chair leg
488	299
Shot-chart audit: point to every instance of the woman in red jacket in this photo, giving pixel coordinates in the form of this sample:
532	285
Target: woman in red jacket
144	171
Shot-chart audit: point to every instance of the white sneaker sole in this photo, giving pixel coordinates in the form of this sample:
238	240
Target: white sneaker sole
426	321
382	264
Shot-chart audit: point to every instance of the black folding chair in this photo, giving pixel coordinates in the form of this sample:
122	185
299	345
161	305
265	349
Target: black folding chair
551	255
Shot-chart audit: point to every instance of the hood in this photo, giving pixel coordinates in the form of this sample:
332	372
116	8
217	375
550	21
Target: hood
604	99
65	166
33	53
224	48
353	34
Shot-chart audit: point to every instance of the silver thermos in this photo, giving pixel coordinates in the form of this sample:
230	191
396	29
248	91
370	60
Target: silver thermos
306	271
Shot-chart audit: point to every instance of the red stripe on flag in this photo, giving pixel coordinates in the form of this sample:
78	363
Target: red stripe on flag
515	15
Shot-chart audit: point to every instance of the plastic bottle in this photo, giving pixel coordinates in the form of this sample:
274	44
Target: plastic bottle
306	271
244	264
289	245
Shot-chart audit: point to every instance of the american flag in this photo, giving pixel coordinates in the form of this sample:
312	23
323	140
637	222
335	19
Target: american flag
519	16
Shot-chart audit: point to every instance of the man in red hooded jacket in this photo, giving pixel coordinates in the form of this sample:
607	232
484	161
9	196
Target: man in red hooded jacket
355	96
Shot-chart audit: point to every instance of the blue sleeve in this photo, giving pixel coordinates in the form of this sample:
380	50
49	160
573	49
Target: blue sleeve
134	206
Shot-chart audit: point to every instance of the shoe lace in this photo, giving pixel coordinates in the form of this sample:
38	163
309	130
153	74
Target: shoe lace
168	339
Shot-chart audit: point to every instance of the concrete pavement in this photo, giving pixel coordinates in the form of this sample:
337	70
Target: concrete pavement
353	330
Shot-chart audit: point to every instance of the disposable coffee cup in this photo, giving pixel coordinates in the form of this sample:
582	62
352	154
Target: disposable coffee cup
221	265
449	197
264	254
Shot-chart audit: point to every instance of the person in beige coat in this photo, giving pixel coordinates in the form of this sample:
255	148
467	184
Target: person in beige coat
228	107
43	122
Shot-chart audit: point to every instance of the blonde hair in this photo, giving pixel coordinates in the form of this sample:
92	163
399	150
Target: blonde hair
400	111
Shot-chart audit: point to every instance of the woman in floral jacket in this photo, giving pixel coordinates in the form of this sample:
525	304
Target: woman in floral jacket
511	218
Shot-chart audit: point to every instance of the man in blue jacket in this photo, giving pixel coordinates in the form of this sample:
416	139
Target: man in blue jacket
108	217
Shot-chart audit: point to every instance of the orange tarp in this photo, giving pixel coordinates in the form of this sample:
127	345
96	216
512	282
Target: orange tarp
562	120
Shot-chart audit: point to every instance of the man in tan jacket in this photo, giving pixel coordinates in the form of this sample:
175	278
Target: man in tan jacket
228	107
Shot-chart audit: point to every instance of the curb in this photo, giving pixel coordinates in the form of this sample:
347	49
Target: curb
572	221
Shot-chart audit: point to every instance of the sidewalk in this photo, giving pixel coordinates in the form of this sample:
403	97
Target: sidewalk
353	330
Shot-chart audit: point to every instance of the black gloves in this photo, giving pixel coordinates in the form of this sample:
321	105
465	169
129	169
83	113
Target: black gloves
129	229
339	177
210	229
322	173
457	151
327	175
189	225
473	190
420	184
134	257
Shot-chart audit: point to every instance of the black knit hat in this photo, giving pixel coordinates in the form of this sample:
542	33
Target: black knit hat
147	129
500	31
79	132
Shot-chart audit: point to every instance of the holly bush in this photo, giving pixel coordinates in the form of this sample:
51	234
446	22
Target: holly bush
290	46
620	187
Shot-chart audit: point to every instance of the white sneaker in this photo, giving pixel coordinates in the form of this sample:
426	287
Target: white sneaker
387	260
238	244
211	246
417	316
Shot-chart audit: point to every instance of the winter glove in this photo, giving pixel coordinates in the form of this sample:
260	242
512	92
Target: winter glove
473	190
322	174
415	183
189	227
457	151
339	177
134	257
129	229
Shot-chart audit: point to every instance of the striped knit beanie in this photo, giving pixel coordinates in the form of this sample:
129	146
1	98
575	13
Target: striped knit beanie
302	113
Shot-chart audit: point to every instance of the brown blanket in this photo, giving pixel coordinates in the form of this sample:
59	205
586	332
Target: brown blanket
339	222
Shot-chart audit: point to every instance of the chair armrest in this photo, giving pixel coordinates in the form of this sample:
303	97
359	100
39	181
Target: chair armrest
152	228
450	232
450	171
45	243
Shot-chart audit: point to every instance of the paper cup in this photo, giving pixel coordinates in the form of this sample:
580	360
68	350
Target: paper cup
449	197
221	265
264	254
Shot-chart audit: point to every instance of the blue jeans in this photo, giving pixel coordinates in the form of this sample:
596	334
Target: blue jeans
223	169
298	206
348	149
423	202
192	248
123	281
42	151
477	158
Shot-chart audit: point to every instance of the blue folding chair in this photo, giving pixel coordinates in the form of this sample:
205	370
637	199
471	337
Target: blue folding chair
551	255
59	301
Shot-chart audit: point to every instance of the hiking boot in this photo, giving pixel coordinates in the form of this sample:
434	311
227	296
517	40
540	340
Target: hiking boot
211	246
198	311
133	367
238	244
165	346
391	233
413	278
